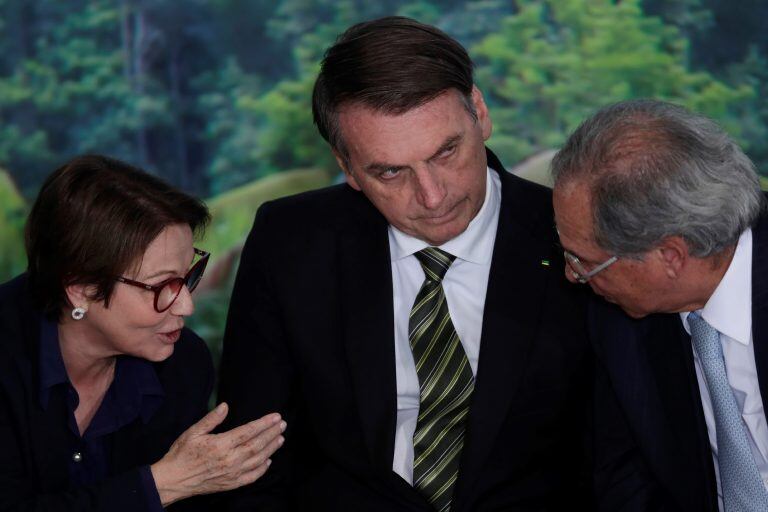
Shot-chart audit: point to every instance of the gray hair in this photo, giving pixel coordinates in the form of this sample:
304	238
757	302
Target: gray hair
656	170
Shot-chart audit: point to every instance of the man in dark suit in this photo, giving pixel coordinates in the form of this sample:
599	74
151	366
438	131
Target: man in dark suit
409	324
662	214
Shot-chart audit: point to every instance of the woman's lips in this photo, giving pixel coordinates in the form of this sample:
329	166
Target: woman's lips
170	337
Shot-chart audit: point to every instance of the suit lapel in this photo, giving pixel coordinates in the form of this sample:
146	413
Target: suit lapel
513	306
368	328
671	359
760	304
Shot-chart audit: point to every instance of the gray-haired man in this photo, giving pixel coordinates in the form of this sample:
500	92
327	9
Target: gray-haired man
662	215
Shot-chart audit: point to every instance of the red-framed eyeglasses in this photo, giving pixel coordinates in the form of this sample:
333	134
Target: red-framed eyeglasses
168	291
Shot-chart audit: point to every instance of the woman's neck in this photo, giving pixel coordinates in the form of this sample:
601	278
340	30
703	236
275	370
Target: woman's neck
86	362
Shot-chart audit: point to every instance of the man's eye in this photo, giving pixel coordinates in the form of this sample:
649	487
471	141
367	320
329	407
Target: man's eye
388	174
448	151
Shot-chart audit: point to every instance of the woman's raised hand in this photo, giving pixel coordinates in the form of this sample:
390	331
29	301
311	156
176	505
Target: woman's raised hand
199	462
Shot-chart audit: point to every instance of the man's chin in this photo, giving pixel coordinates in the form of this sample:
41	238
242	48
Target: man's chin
436	237
630	311
633	313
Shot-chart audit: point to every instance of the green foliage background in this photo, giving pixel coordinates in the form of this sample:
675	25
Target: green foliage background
214	96
12	216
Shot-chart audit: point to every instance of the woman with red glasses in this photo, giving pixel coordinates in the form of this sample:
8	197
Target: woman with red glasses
103	391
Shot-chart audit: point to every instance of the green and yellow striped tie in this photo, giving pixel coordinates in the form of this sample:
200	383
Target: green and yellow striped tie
445	384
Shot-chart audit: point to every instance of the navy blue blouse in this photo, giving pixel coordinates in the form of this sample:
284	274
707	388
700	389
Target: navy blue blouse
134	395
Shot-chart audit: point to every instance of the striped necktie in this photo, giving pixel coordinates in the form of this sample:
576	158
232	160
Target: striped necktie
743	489
445	385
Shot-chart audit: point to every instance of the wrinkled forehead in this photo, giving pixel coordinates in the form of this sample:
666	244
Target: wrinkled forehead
172	248
573	213
427	127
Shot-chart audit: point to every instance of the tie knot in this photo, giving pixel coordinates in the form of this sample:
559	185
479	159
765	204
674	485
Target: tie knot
435	262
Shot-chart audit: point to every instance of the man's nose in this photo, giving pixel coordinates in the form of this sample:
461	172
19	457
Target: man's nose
430	190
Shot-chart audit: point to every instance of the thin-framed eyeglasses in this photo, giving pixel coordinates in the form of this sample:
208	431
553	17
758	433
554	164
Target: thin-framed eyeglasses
581	274
168	291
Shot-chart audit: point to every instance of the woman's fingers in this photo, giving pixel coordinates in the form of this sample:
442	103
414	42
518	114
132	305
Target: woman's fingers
209	421
249	431
253	475
201	463
257	453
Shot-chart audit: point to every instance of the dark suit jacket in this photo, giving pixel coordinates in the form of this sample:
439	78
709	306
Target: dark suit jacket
33	455
311	335
652	448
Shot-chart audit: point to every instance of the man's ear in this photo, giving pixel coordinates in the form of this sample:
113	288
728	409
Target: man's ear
481	110
344	166
674	255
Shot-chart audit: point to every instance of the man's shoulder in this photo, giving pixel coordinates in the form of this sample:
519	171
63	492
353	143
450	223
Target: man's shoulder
515	188
611	330
526	192
319	199
322	202
528	207
606	318
329	207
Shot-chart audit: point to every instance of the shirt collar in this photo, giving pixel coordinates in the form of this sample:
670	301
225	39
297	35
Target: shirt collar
135	391
729	309
475	244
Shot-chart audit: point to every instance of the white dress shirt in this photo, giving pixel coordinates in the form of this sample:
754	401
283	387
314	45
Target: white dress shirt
729	310
465	284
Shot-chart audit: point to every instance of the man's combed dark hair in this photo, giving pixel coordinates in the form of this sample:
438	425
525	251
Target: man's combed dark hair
92	221
391	65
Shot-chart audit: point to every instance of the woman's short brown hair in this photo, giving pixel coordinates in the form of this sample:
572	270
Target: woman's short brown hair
92	220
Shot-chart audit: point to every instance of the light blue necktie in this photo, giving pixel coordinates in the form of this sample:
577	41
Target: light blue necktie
743	489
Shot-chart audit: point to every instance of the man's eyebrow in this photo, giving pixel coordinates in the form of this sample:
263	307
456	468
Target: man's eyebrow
450	141
381	166
563	248
579	257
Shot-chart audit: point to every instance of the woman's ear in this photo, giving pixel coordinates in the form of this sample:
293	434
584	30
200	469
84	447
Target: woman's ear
79	295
